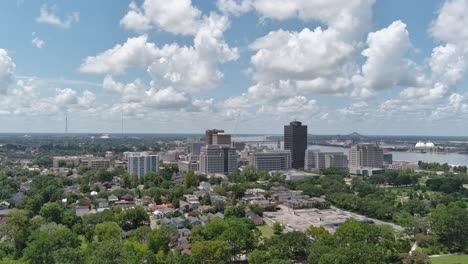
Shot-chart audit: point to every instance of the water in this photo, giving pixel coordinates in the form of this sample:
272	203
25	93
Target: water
450	158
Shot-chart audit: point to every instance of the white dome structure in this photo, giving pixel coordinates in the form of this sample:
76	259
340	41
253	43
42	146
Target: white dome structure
422	145
430	144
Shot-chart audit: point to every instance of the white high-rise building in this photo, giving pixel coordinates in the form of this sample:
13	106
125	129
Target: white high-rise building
365	156
218	159
315	159
271	160
139	163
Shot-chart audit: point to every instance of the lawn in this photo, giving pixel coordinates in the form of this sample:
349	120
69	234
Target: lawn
454	259
266	231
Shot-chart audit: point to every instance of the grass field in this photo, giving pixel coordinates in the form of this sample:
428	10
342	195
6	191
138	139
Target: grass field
266	231
454	259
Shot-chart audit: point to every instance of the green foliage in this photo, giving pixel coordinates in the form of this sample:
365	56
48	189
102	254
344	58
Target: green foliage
277	228
50	242
449	224
190	180
52	212
355	242
234	211
211	252
133	218
159	239
108	231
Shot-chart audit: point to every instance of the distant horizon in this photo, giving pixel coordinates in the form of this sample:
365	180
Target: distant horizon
202	134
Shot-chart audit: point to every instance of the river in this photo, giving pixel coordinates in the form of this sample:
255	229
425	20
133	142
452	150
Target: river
450	158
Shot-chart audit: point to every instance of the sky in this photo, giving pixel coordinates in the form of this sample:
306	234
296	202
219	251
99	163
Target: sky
383	67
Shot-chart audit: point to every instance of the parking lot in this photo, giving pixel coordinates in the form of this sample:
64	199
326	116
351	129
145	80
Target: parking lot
330	219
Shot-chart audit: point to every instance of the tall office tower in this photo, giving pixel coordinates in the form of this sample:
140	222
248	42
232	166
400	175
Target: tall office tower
278	160
365	155
295	140
139	163
194	148
315	159
209	135
218	159
221	139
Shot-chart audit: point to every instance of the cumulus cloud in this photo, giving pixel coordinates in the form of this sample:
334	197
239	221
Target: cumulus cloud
7	71
450	24
447	63
350	17
36	41
152	97
297	104
134	52
190	68
386	66
48	16
177	17
299	55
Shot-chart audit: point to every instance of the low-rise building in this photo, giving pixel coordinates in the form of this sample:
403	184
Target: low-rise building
99	163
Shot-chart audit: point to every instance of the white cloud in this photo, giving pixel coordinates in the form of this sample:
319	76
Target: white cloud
36	41
297	104
234	7
168	98
48	16
177	17
131	92
450	24
447	63
350	17
134	52
386	66
7	71
301	55
189	68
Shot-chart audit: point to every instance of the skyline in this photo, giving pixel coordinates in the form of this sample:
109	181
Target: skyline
247	66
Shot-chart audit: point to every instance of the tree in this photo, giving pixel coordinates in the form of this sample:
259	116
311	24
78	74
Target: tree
277	228
52	212
133	218
235	211
206	199
449	224
211	252
108	231
159	239
105	252
17	229
317	233
190	180
48	242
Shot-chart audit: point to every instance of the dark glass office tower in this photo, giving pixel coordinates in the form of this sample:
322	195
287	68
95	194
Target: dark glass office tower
295	140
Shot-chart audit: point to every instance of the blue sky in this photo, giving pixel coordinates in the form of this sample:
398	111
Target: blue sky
248	66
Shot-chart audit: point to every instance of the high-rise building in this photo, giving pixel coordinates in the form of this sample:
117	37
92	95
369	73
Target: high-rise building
209	135
194	148
271	160
139	163
365	156
221	139
315	159
217	159
295	140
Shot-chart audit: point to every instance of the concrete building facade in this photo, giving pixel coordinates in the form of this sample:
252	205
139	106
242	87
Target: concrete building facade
315	160
216	159
271	161
365	156
139	163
